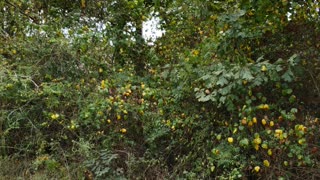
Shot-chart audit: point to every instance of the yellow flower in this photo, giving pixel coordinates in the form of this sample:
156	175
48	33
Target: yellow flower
263	68
266	163
230	140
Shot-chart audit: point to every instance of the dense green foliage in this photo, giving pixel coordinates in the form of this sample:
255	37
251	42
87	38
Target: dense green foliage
230	91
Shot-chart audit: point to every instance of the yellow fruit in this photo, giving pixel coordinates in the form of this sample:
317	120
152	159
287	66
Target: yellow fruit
123	130
102	84
142	86
108	121
218	137
256	147
235	130
301	141
118	117
141	112
250	124
264	122
264	146
230	140
266	107
244	82
285	163
55	116
266	163
257	168
83	3
257	141
269	152
244	121
278	131
195	52
254	120
263	68
271	123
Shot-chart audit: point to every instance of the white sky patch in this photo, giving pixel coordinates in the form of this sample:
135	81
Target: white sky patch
151	30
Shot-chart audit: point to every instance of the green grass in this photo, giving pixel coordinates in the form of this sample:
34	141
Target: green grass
12	168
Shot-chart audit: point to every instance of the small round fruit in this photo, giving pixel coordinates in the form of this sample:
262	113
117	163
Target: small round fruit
266	163
230	140
257	168
271	124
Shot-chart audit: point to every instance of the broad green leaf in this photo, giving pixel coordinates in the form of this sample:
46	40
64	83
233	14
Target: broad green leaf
222	81
246	74
287	76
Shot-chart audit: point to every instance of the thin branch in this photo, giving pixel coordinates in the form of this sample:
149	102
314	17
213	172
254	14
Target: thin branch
5	34
21	11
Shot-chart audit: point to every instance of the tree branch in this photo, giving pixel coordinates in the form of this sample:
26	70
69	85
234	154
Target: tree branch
21	11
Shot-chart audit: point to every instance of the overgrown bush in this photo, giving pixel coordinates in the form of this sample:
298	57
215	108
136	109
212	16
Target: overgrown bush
220	95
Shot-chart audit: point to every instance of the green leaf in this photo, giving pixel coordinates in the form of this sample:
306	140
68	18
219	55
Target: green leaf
244	142
287	76
293	60
222	81
222	99
204	98
246	74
